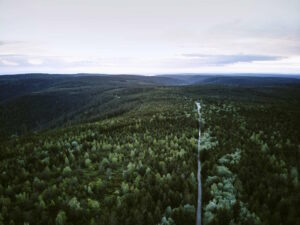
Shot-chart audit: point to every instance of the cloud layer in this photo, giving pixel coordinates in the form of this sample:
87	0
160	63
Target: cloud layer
140	36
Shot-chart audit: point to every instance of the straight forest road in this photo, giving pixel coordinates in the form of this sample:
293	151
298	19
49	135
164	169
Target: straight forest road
198	220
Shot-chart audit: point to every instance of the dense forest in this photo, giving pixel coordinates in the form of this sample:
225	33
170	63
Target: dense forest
127	153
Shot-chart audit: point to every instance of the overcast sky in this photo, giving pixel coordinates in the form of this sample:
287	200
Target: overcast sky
149	36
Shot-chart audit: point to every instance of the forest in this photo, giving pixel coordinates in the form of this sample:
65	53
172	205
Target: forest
127	153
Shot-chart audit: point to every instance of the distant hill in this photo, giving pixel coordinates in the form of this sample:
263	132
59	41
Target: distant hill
38	101
237	80
31	102
18	85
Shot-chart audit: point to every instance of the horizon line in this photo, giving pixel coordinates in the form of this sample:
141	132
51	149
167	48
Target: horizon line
159	74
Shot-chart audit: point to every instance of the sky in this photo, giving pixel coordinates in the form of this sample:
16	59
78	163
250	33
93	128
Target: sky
149	36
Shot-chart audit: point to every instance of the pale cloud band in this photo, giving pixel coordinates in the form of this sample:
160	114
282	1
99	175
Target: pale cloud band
187	63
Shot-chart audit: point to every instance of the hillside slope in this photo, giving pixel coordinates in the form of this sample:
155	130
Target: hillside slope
139	166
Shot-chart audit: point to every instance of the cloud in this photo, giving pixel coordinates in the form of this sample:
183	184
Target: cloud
8	63
2	43
35	61
228	59
182	63
42	63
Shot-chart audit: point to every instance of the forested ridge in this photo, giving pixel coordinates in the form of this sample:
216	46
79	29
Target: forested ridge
138	164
